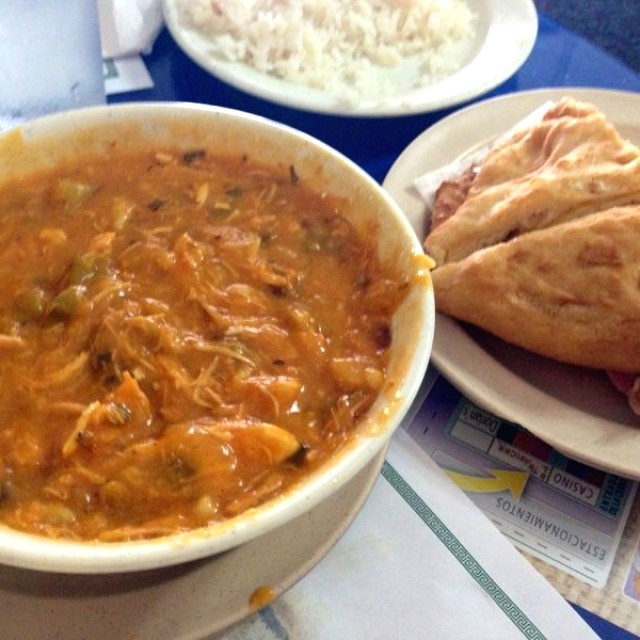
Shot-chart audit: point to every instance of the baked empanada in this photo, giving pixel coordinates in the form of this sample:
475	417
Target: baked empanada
539	241
570	292
569	164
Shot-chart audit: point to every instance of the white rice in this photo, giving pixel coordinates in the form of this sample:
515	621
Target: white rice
347	48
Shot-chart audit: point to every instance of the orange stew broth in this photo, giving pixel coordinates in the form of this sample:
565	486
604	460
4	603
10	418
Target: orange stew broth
181	338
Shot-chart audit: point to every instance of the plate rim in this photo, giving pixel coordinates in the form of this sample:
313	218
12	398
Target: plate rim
481	390
517	19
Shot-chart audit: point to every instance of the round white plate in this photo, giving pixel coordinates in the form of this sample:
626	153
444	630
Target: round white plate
186	602
505	34
575	410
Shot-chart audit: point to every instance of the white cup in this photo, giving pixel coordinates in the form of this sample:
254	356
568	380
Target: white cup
50	58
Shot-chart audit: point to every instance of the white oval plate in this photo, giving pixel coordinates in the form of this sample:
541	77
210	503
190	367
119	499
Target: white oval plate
575	410
184	602
505	34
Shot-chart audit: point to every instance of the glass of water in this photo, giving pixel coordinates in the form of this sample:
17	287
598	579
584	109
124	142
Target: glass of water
50	58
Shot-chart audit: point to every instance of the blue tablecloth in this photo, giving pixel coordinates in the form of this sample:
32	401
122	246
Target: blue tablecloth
560	58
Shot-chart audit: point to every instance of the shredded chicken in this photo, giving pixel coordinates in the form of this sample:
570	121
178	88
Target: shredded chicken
188	337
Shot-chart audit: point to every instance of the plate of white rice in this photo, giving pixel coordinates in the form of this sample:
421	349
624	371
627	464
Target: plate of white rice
363	57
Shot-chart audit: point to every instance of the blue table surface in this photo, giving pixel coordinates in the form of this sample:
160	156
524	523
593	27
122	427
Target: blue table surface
560	58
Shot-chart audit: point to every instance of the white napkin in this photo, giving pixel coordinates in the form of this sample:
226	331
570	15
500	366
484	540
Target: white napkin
129	27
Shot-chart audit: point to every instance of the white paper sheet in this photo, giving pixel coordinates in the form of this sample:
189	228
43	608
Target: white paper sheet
420	561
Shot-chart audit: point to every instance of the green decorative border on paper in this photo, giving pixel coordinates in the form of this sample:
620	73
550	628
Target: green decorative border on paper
462	555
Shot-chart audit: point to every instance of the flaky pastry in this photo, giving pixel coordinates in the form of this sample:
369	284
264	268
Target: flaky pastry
569	164
539	243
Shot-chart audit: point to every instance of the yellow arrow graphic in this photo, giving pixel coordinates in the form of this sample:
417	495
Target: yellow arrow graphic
500	480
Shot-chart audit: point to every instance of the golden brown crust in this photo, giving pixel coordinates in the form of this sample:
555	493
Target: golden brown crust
570	164
571	292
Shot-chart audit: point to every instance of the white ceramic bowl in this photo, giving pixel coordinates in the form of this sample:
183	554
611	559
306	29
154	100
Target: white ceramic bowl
119	128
